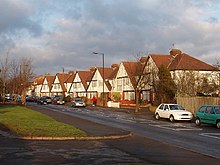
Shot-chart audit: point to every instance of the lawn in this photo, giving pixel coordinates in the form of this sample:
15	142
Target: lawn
26	122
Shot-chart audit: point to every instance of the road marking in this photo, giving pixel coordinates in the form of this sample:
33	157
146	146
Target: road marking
211	135
176	127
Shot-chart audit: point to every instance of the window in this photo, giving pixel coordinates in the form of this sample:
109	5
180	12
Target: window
161	107
166	107
202	109
119	82
209	110
94	84
129	96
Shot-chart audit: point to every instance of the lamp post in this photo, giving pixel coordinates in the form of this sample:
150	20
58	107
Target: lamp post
103	79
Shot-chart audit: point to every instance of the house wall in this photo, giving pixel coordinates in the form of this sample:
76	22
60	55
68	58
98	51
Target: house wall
122	84
56	89
77	88
45	90
38	90
96	84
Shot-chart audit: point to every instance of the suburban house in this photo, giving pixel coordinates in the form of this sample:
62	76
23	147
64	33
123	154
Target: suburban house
47	85
126	80
58	87
95	87
68	82
37	83
80	83
132	81
186	71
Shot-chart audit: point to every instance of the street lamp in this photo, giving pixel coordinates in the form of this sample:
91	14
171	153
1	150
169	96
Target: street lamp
103	79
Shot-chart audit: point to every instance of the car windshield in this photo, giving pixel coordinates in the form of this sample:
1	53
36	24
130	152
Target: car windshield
176	107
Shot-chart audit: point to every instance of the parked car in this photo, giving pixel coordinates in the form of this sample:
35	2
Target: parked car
78	102
58	100
208	114
44	100
31	98
172	112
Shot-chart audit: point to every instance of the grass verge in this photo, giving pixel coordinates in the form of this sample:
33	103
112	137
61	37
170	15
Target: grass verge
26	122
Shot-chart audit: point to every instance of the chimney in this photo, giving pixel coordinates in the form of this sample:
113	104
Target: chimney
93	68
143	60
175	52
114	66
71	72
47	74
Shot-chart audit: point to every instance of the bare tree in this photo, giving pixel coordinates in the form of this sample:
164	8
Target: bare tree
26	76
16	76
187	82
4	74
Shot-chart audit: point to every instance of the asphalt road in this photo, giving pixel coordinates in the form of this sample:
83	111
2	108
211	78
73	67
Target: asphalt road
204	140
136	149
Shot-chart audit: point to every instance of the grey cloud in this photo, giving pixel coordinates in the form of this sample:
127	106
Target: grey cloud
67	32
15	16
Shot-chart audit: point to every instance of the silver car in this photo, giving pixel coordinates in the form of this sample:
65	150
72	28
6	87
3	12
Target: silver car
78	102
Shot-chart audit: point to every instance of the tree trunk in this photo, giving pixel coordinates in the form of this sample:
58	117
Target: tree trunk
137	107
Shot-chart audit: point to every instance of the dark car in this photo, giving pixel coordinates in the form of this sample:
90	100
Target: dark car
58	100
44	100
208	114
31	98
78	102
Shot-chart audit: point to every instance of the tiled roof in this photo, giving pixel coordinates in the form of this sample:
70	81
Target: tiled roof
107	74
50	80
160	59
133	70
70	78
181	61
39	80
186	62
85	76
62	77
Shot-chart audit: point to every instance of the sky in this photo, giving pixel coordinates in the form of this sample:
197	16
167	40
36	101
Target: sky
59	34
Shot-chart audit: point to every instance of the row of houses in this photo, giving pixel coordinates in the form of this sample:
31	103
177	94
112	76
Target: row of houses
121	80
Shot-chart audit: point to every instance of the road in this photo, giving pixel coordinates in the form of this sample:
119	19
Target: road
204	140
156	142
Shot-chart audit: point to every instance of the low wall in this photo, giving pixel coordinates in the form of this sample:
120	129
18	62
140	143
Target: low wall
113	104
193	103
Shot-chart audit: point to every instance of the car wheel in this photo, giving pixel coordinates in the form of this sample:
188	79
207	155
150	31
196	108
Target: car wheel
218	124
171	118
157	116
197	121
74	105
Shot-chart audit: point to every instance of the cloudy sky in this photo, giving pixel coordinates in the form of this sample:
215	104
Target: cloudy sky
60	34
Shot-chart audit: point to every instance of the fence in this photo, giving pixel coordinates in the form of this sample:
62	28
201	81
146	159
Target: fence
193	103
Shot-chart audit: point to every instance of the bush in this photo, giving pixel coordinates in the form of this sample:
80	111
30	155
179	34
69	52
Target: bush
67	99
116	96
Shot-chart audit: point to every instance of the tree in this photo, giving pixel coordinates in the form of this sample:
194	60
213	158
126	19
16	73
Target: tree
165	86
26	76
4	75
16	76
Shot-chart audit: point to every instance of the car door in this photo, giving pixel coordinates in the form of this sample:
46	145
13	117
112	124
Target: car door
165	111
209	115
201	113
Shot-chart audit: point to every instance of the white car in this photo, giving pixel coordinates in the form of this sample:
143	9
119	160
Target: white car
172	112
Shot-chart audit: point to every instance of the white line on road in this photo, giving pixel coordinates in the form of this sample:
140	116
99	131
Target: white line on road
211	135
176	127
